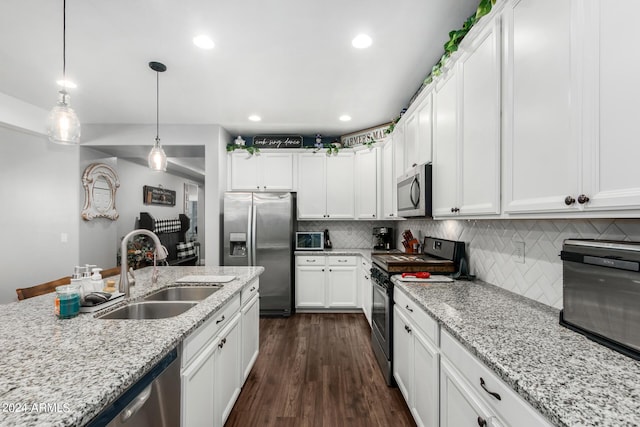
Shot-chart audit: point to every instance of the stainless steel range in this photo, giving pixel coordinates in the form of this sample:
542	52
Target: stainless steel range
440	256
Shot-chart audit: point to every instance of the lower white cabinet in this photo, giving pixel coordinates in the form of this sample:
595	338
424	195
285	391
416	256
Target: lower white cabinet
415	368
217	358
327	282
227	370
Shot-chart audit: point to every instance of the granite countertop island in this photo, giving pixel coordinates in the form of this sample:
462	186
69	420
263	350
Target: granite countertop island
571	380
65	372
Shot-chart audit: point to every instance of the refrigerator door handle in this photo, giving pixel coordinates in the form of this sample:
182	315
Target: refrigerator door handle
254	239
249	236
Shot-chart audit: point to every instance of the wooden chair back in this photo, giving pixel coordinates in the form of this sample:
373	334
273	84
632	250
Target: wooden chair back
41	289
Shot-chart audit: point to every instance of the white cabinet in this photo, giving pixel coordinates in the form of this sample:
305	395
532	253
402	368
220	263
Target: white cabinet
367	185
416	359
326	282
418	125
389	202
197	389
399	149
467	143
227	369
366	291
250	328
262	172
446	147
326	186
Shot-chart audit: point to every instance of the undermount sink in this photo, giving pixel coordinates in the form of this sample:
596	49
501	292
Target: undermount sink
150	310
183	293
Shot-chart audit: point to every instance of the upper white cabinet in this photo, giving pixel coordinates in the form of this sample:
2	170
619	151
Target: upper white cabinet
367	184
446	147
399	149
466	165
389	201
418	125
263	172
326	186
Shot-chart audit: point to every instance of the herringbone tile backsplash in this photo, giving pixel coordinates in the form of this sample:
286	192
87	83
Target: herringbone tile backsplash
490	246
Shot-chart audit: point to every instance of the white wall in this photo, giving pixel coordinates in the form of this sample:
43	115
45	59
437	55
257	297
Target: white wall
39	197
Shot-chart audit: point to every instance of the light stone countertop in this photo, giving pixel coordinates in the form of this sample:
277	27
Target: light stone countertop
79	366
571	380
365	253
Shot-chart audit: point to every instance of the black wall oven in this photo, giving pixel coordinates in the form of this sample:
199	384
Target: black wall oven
382	322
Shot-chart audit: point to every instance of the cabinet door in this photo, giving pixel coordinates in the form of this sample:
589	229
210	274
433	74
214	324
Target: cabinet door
245	171
389	202
459	405
277	171
541	107
343	287
445	147
403	354
340	186
228	365
311	186
424	135
611	177
250	335
366	193
480	117
399	150
366	291
426	386
310	287
411	140
197	382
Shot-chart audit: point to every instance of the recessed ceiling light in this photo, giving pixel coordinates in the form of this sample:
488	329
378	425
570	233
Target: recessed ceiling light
67	84
254	118
345	118
361	41
203	42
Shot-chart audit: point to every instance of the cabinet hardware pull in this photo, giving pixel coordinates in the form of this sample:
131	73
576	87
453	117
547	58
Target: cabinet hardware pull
582	199
408	308
222	343
482	422
342	260
408	329
311	260
569	200
453	210
390	214
330	270
258	187
366	277
323	269
252	289
374	215
484	387
220	320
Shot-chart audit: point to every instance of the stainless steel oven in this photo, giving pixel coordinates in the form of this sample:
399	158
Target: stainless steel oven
382	322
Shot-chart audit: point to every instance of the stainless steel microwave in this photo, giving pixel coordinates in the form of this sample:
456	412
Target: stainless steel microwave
309	241
414	192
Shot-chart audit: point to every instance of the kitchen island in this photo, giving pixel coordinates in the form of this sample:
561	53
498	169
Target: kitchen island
65	372
569	379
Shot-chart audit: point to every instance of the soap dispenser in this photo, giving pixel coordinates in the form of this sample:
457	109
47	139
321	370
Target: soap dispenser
97	284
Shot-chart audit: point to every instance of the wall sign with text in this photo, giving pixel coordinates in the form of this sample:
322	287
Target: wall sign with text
362	137
277	141
158	196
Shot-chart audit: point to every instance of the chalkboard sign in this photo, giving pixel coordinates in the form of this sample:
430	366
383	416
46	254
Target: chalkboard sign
158	196
277	141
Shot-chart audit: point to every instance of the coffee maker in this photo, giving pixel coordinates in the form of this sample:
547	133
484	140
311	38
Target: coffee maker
383	239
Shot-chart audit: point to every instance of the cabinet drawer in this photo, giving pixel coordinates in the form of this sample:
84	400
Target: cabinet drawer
309	260
207	331
514	410
341	260
249	291
417	315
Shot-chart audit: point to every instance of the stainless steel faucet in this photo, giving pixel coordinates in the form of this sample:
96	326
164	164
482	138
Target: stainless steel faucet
158	254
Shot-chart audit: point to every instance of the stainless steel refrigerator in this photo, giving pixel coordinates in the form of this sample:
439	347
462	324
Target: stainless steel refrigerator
258	229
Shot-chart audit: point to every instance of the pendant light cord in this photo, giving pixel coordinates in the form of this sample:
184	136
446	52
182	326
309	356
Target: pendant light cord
157	107
64	43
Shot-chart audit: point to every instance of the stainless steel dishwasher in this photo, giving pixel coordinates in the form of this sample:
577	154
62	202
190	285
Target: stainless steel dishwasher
153	401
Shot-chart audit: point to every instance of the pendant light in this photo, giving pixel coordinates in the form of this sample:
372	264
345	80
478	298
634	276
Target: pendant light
157	157
63	126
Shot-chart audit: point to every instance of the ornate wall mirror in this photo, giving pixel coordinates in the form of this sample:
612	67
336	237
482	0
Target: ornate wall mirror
100	184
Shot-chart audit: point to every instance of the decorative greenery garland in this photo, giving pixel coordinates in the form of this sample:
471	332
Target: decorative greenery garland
250	149
455	37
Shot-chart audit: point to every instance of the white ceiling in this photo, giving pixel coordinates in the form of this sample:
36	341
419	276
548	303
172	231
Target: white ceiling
290	61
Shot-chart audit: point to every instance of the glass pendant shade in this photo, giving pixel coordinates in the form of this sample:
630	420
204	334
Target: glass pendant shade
157	158
63	126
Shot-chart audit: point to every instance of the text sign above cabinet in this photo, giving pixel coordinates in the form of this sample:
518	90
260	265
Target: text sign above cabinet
277	141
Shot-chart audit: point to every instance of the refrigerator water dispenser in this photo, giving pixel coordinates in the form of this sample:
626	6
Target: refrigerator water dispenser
238	244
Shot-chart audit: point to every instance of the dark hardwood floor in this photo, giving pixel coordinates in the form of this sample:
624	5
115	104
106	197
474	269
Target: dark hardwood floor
317	370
